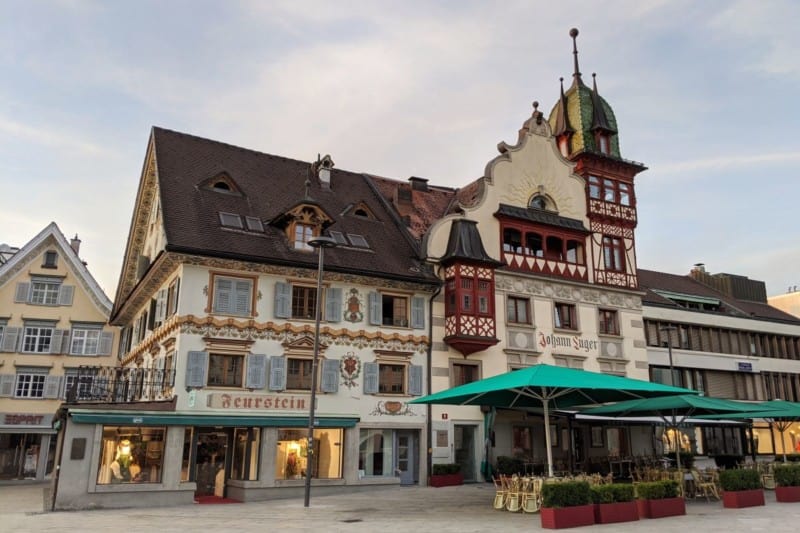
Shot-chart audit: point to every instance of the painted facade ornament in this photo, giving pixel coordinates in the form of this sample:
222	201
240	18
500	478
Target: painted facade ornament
392	408
350	369
353	312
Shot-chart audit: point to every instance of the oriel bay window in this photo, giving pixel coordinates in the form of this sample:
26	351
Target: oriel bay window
292	459
614	253
554	246
131	455
609	190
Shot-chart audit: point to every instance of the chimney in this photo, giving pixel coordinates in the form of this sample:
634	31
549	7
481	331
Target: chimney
418	184
323	167
699	267
75	244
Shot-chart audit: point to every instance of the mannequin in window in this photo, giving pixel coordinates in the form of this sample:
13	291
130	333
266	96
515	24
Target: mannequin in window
121	465
291	465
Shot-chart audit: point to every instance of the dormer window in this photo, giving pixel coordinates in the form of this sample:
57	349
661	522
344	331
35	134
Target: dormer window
302	234
221	186
50	260
604	143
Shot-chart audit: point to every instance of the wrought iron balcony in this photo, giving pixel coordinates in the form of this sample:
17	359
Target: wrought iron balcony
109	384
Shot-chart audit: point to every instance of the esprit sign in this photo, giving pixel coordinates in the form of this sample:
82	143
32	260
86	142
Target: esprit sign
258	402
12	419
573	342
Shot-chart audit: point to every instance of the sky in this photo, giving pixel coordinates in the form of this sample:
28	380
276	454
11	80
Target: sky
705	95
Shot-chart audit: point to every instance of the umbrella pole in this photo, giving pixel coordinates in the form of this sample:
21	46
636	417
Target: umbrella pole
548	448
677	443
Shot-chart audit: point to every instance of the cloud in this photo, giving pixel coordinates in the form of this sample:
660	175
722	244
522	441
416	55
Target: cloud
722	162
50	137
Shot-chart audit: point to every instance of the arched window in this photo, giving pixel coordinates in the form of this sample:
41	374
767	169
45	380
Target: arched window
539	202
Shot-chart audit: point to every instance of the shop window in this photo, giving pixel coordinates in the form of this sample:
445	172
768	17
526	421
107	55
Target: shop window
292	458
225	370
186	456
522	442
517	310
376	453
609	322
565	316
246	442
131	455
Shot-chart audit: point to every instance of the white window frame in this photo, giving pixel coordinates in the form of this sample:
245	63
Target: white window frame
29	385
44	292
38	337
302	234
82	337
84	389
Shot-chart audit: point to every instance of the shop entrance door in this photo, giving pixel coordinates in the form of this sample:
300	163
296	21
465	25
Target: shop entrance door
406	457
212	462
464	447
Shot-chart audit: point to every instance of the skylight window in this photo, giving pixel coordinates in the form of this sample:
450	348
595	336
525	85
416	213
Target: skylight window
254	224
230	220
358	240
339	237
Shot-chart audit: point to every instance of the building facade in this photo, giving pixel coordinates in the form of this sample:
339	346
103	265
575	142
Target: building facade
789	302
53	321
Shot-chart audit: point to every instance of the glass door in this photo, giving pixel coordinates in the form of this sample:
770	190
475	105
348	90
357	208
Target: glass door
464	445
212	453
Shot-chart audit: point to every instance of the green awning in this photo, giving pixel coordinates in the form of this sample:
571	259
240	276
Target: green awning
174	419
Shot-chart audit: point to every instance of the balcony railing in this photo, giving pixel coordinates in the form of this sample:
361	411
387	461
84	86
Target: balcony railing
120	385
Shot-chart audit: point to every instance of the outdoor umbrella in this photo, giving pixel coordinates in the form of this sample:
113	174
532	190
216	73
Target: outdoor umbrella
779	413
549	387
674	410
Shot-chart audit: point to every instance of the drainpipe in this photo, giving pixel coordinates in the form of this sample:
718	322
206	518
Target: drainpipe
429	407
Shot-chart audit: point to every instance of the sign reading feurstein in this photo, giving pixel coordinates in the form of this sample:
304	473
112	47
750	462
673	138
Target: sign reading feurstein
258	402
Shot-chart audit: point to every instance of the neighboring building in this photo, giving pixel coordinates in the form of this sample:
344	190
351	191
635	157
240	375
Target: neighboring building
216	300
788	302
52	321
727	342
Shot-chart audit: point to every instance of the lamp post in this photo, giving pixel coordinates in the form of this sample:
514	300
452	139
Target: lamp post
320	243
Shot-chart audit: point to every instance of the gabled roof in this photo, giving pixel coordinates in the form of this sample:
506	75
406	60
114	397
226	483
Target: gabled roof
653	283
270	185
32	249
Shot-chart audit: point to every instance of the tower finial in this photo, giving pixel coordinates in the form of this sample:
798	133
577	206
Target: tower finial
594	82
574	34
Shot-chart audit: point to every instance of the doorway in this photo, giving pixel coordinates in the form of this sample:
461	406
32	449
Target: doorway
464	448
212	462
407	457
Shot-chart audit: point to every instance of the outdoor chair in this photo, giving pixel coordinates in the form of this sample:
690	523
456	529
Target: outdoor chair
704	486
532	496
500	493
514	497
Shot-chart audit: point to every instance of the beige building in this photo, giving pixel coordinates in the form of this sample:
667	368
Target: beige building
53	318
788	303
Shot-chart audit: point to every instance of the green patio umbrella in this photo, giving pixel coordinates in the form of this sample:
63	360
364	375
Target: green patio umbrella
549	387
779	413
674	410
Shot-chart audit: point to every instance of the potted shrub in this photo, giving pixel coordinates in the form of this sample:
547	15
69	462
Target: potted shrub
566	504
658	499
509	465
614	503
446	475
741	488
787	483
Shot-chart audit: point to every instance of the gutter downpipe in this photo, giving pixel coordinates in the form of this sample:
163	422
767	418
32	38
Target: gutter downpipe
429	370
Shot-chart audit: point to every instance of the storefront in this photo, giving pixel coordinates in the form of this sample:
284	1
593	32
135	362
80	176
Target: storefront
26	446
174	459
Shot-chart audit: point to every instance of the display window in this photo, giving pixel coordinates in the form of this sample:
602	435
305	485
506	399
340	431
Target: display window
293	458
375	452
247	442
131	455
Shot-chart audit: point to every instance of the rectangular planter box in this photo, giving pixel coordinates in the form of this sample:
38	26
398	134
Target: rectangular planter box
661	508
446	480
563	517
609	513
787	494
742	498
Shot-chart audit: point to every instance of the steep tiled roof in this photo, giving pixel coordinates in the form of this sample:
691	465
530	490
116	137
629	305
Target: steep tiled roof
268	187
650	280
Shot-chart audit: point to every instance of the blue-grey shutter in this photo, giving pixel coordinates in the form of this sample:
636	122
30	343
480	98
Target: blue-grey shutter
277	373
52	386
10	338
256	377
370	378
65	294
57	339
415	380
418	312
23	290
196	366
242	297
222	295
105	343
173	305
7	385
375	309
159	312
333	305
330	375
283	300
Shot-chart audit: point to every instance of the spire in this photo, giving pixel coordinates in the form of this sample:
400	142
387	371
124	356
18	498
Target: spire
577	74
562	121
599	119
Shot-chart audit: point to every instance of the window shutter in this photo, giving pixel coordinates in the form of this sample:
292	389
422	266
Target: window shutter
151	315
222	295
10	339
277	372
52	386
57	339
160	307
242	298
196	366
330	375
7	385
418	312
371	378
415	380
105	343
283	299
333	305
256	377
375	309
23	289
65	294
173	304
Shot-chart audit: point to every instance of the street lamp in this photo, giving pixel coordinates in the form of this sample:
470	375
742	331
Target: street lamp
320	243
